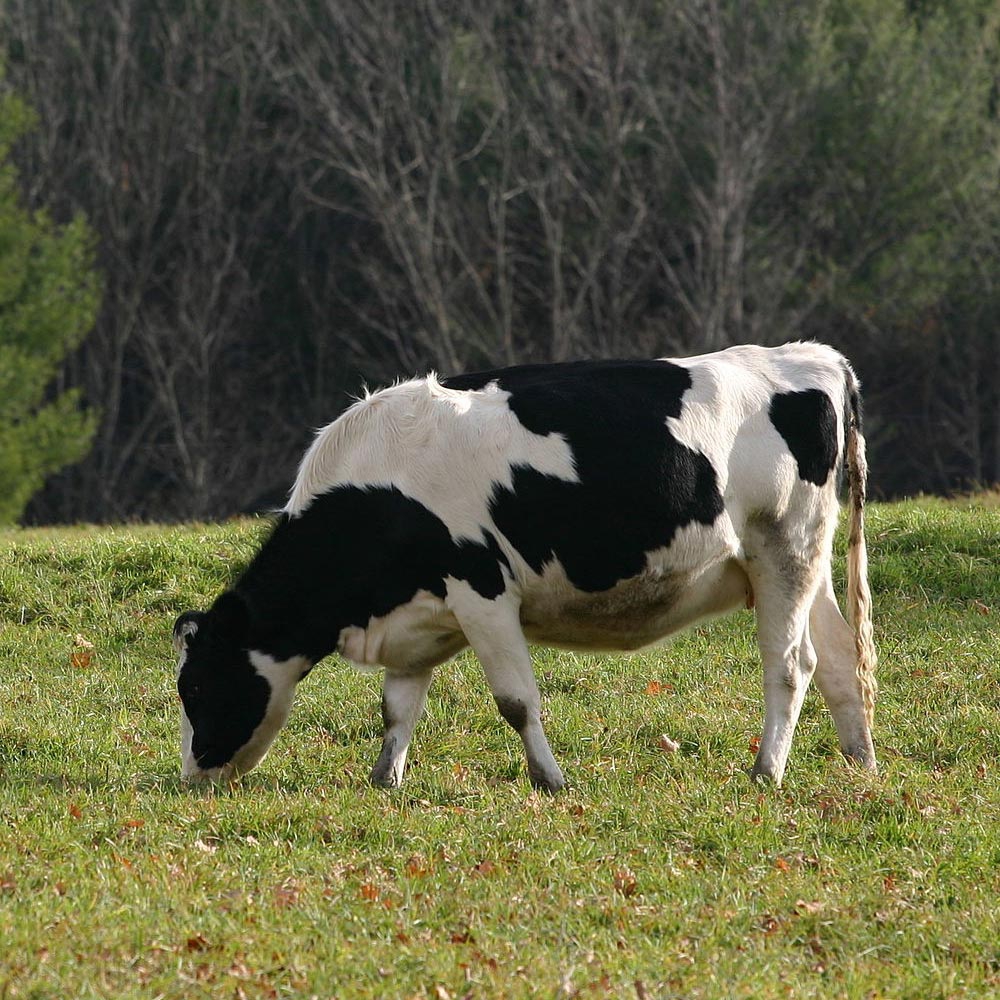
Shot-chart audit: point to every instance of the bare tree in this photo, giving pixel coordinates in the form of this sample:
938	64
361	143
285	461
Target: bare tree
294	196
160	146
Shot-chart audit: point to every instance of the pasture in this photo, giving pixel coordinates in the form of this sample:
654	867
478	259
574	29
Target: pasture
662	872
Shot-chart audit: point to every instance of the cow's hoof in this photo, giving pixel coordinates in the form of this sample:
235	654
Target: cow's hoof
760	777
861	757
382	777
550	783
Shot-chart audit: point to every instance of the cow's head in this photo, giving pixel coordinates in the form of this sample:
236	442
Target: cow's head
234	699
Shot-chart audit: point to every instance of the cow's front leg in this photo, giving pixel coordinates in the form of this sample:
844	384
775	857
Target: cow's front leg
403	699
493	629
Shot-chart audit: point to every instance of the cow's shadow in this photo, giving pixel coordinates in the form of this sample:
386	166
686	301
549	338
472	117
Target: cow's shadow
164	782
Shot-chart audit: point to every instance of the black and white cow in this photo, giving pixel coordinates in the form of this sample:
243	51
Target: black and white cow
592	505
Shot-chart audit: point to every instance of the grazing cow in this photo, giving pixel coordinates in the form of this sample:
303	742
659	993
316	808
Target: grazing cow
591	505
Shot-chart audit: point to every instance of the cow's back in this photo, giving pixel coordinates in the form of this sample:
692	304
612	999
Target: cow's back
603	470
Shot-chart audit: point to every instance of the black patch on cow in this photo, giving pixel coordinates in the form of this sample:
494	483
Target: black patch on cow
808	423
224	698
638	484
514	711
353	554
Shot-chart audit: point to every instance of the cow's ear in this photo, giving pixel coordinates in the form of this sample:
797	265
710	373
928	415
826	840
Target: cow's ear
231	615
185	626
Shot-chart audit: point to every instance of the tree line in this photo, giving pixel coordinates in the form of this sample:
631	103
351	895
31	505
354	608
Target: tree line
288	198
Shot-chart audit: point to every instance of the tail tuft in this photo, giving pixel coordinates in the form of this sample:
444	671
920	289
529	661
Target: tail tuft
859	598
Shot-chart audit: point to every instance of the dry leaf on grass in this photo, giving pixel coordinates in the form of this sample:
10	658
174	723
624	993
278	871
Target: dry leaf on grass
83	652
625	882
654	688
196	942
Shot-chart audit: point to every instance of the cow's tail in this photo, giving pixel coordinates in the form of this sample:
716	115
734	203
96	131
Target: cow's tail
859	596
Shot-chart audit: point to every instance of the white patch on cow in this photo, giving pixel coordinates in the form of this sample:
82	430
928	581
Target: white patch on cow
468	442
189	767
353	646
696	546
180	639
282	675
725	415
412	637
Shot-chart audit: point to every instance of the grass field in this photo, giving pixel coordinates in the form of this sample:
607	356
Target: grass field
658	874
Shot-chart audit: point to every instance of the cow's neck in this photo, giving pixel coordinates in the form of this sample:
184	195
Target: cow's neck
300	590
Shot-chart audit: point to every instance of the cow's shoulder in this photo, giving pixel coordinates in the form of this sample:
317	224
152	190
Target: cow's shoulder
382	435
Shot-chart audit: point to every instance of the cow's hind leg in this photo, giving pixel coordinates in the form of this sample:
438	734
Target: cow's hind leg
493	629
403	698
784	581
837	678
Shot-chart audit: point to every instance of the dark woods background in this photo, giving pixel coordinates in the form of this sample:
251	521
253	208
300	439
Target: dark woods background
293	196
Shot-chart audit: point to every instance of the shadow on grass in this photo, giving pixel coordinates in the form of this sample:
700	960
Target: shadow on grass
167	784
170	785
96	782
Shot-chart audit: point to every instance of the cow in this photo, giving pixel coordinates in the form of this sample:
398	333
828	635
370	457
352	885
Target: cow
589	505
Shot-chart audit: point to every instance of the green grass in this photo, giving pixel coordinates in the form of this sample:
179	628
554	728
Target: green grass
656	875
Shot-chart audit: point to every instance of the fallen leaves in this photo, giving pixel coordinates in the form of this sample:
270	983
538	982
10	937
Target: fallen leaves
625	882
201	964
287	895
196	942
83	652
655	688
417	865
668	745
132	739
809	907
797	861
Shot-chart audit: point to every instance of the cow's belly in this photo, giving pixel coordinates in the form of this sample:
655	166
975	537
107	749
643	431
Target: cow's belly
635	612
